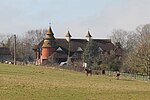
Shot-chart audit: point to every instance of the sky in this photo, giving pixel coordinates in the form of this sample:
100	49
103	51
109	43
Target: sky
100	17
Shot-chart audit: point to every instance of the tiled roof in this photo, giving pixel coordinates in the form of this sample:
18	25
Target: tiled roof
35	47
74	44
50	31
63	44
105	44
77	54
59	54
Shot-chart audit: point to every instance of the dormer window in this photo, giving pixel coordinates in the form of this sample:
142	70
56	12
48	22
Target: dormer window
79	49
59	49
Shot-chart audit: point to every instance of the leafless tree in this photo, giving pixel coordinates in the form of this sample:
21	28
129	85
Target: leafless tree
119	35
138	59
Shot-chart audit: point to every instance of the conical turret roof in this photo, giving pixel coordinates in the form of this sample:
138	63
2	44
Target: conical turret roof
49	34
68	34
49	40
88	34
50	31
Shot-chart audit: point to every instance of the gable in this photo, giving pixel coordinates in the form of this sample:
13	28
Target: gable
59	49
79	49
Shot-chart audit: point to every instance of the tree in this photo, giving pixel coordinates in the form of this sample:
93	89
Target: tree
112	62
137	60
143	48
120	36
31	38
35	36
128	41
91	53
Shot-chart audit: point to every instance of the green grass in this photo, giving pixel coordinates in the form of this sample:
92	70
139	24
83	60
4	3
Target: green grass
42	83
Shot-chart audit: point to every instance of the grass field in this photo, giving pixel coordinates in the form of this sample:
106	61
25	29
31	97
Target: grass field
42	83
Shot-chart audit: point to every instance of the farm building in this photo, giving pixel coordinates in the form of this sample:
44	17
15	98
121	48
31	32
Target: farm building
57	50
5	54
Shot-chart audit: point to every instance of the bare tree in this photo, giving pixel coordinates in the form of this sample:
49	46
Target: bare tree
31	38
143	46
138	58
119	35
35	36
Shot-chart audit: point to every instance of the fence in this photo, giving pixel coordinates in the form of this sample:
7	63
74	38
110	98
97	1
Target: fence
131	76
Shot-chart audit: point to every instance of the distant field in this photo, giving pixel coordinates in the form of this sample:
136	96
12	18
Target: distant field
42	83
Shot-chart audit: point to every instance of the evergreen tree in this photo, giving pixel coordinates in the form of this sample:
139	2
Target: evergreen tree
91	53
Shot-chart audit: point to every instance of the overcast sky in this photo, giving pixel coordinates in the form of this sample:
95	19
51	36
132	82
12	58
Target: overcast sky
101	17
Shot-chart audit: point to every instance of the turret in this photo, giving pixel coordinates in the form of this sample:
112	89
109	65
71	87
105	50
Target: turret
49	44
68	36
88	36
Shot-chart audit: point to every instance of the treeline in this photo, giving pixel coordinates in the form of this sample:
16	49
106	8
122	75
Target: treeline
135	57
136	46
24	44
97	59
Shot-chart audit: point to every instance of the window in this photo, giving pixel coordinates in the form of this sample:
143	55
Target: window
79	49
59	49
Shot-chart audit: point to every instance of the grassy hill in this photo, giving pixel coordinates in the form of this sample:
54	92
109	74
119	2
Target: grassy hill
42	83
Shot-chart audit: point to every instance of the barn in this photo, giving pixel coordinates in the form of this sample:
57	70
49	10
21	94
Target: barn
57	50
5	54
